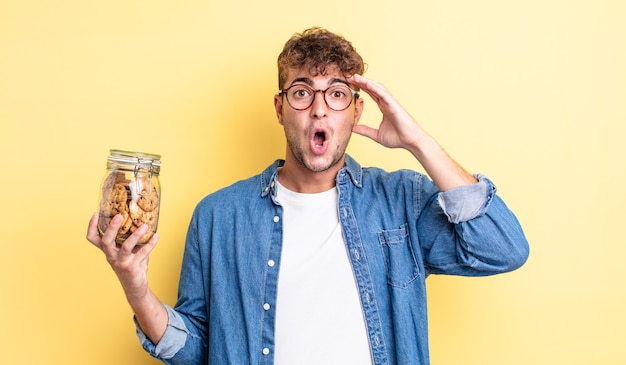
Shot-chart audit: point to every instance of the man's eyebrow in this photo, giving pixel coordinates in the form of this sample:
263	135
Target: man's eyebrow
306	80
337	80
310	82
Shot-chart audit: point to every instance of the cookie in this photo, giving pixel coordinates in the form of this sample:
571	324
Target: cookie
112	179
128	222
114	200
148	202
140	216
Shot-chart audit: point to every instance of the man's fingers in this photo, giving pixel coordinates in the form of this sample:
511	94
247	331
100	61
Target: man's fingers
92	230
366	131
147	248
128	247
108	238
375	90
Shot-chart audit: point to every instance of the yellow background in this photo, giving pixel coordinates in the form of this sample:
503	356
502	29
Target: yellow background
532	93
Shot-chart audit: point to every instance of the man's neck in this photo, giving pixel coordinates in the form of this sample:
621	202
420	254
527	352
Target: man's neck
298	178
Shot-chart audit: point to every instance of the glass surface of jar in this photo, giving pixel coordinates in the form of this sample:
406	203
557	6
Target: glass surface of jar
130	187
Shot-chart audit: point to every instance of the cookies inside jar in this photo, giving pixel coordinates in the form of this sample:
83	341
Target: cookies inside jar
136	198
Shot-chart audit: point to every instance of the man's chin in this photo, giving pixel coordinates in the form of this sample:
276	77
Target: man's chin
321	163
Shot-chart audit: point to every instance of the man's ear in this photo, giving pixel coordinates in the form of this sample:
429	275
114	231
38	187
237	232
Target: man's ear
358	110
278	107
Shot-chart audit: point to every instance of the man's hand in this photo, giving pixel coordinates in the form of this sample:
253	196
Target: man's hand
129	261
399	130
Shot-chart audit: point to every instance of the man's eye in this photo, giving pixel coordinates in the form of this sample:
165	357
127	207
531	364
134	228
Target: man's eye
339	93
301	93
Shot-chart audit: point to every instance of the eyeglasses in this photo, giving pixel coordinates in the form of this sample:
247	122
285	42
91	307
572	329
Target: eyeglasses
337	97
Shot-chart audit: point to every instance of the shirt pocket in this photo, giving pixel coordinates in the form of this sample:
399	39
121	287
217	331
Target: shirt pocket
399	257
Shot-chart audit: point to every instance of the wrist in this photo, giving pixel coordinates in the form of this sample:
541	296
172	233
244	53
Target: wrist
422	146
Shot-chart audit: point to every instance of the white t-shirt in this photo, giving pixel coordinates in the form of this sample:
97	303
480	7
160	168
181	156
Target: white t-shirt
319	319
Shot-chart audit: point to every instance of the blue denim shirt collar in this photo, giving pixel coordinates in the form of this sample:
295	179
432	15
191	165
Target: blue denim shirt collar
351	171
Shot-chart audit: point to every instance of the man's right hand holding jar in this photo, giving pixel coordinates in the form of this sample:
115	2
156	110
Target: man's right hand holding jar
129	261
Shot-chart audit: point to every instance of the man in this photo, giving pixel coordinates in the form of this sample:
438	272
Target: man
317	260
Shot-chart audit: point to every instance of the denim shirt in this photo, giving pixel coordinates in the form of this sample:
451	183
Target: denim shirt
398	229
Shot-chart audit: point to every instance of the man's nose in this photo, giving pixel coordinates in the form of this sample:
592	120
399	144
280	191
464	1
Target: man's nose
319	108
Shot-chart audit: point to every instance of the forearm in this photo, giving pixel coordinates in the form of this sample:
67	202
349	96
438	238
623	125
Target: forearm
446	173
150	315
129	261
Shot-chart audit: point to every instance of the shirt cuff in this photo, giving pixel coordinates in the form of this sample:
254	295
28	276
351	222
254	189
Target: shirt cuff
467	202
173	339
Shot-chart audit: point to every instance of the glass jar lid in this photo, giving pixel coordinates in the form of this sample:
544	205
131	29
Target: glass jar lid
136	160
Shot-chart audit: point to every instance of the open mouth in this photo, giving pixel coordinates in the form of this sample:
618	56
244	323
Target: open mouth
319	138
319	142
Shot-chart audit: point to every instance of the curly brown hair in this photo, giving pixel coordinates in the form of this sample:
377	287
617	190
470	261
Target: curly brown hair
317	49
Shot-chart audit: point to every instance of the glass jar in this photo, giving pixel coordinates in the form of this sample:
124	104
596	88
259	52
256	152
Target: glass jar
131	188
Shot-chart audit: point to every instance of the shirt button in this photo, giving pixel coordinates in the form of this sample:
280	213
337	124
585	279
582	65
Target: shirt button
266	306
266	351
271	263
276	219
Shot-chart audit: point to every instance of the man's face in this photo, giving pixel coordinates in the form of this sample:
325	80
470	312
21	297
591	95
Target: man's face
317	137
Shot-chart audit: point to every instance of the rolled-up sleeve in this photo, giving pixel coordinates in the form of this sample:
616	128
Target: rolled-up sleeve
470	231
467	202
172	341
